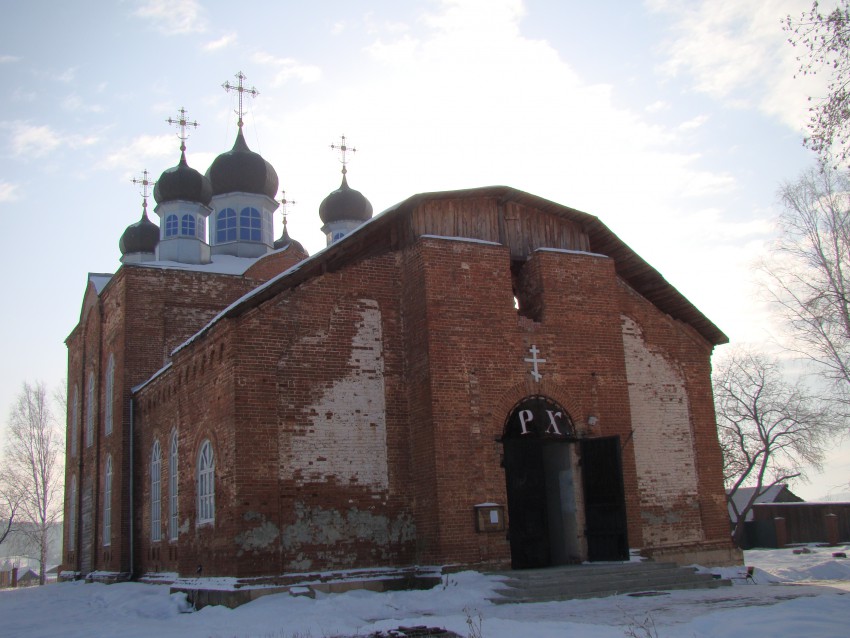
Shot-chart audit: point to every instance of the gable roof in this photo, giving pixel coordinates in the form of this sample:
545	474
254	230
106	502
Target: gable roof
373	238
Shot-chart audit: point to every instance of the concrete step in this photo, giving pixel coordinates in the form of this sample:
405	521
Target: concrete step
599	580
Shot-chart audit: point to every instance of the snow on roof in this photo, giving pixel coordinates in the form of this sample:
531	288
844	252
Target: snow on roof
743	494
219	264
471	240
570	252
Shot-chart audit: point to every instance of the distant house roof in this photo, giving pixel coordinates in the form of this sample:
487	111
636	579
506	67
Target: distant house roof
778	493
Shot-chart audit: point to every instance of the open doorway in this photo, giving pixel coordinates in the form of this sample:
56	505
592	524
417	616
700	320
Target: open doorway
542	461
539	476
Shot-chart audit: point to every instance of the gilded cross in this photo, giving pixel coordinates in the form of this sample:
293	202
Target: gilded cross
241	90
145	183
182	122
284	205
343	149
533	360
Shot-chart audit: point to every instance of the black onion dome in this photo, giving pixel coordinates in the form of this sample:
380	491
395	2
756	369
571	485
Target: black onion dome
285	240
141	237
345	204
182	183
242	170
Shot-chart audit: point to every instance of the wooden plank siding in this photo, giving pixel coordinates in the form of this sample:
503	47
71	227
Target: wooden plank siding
522	228
476	218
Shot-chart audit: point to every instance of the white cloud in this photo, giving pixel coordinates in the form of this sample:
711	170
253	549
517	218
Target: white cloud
8	192
23	95
68	75
133	156
174	17
738	53
658	107
337	28
288	68
33	141
75	103
223	42
8	59
30	140
693	123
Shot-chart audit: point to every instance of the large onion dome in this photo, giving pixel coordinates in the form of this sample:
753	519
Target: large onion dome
141	237
183	183
243	171
345	204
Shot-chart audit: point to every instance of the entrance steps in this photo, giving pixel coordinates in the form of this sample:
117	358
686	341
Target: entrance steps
598	580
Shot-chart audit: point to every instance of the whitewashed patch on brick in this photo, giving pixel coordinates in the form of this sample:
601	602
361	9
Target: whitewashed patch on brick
347	436
663	441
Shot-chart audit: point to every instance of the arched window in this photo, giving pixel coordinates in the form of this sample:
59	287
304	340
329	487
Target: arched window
202	229
187	225
90	411
206	484
72	515
225	226
107	503
172	488
250	225
110	385
75	420
171	226
156	500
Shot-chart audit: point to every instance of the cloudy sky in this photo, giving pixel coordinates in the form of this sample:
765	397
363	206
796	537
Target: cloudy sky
673	121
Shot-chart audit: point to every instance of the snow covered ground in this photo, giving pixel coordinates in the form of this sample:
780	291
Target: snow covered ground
794	595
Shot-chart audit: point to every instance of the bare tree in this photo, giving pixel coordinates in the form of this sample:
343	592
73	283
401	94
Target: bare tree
33	460
770	429
824	41
9	501
808	276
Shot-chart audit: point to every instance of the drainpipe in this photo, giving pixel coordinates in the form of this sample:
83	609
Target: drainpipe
132	483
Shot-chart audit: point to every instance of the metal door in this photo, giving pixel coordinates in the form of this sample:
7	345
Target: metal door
604	499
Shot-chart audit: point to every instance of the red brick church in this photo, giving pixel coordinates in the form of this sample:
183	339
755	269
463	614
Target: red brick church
477	377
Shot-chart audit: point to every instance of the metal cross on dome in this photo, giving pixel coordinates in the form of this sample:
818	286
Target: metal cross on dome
343	149
144	182
284	205
182	122
241	90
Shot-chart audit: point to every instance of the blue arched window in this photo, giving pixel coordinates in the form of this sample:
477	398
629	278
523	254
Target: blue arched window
110	391
187	225
72	515
75	421
206	484
172	488
171	226
225	226
250	225
107	503
90	411
156	493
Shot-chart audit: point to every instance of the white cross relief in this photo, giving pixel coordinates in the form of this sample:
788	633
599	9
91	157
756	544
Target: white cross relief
534	361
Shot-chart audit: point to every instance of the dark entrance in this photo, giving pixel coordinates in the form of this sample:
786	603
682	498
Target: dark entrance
604	499
540	488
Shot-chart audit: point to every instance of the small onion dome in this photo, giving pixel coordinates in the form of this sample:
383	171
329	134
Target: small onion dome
345	204
285	240
141	237
182	183
240	170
